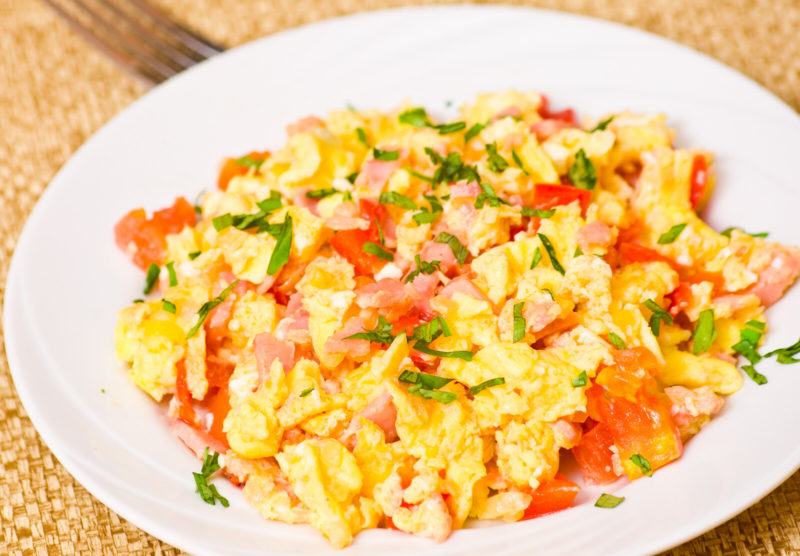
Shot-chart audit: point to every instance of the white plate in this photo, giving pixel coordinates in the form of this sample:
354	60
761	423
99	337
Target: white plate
67	278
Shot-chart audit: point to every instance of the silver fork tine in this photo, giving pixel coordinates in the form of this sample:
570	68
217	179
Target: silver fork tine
199	44
117	51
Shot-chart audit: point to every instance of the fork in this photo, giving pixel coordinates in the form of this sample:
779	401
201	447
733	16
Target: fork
137	36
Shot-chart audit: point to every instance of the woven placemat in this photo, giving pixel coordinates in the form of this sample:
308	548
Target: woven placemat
55	92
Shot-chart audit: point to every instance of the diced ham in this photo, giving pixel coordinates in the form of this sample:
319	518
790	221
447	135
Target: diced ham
547	128
338	343
691	408
464	285
463	189
424	287
383	413
346	216
304	124
196	440
540	312
727	305
596	234
777	275
268	348
219	315
392	297
375	174
294	324
264	286
434	251
512	111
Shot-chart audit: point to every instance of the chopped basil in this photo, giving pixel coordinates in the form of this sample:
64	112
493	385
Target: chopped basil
306	392
377	250
222	221
486	384
168	306
431	330
138	300
422	347
488	195
551	252
458	249
425	380
578	252
422	177
150	278
423	267
208	306
537	256
641	462
397	199
438	395
602	125
616	341
747	346
381	334
609	501
704	332
519	322
474	130
321	193
208	492
672	234
362	136
385	155
581	380
659	314
193	255
173	278
249	162
452	127
727	232
756	377
495	162
786	356
537	213
352	178
416	117
582	173
425	217
271	203
450	168
254	220
280	255
518	161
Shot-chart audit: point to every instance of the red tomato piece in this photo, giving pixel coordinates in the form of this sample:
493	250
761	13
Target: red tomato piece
552	496
231	168
566	115
630	252
172	220
219	406
185	409
593	455
549	195
680	298
698	181
350	243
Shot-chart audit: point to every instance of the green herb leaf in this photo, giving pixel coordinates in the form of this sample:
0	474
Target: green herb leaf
451	168
616	341
280	255
581	380
486	384
551	252
659	314
168	306
488	195
756	377
641	462
452	127
377	250
704	332
459	250
422	177
578	252
425	380
727	232
422	347
138	300
222	221
208	306
173	278
672	234
519	322
749	336
518	161
417	117
193	255
208	492
397	199
249	162
431	330
582	173
425	217
473	131
381	334
151	277
423	267
321	193
438	395
352	179
609	501
362	136
537	256
602	125
385	155
786	356
537	213
306	392
495	162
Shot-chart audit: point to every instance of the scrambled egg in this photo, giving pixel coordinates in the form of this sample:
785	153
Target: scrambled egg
394	321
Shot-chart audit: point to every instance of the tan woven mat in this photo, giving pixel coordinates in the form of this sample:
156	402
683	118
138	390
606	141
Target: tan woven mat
55	92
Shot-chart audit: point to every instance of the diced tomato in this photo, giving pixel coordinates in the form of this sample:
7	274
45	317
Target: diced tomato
636	253
636	358
633	372
593	455
231	168
218	405
549	195
407	323
148	235
680	298
350	243
566	115
698	181
185	409
551	496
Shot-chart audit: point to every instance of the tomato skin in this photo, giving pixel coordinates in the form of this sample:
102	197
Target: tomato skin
552	496
219	406
593	455
231	168
350	243
549	195
148	235
185	408
698	181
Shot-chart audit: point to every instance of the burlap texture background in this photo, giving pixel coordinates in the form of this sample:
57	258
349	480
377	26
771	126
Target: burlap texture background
55	91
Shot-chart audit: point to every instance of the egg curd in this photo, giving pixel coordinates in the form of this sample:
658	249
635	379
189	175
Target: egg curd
400	322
